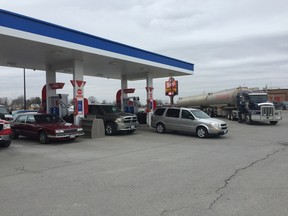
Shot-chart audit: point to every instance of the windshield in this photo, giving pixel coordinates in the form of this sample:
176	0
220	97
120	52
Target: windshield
200	114
110	109
258	98
47	118
3	110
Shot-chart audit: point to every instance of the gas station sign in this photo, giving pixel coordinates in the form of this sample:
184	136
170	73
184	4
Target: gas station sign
78	84
171	87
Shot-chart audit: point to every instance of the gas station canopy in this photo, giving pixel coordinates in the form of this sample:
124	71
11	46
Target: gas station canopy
34	44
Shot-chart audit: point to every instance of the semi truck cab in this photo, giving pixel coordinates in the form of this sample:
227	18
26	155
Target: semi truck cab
255	107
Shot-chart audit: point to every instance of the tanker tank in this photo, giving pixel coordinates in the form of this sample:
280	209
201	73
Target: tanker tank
224	98
193	101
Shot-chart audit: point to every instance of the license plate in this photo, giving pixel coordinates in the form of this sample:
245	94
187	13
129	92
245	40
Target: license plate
72	136
132	126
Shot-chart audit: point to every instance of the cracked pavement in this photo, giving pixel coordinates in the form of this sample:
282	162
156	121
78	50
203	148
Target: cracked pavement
220	190
150	174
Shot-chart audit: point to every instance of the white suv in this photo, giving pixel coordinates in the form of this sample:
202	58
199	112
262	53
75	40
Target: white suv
187	120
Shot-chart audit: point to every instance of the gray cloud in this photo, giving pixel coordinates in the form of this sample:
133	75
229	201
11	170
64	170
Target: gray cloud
232	43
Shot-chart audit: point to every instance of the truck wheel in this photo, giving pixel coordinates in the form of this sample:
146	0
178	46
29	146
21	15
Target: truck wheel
110	128
273	122
5	144
202	132
229	116
130	131
43	138
160	128
248	119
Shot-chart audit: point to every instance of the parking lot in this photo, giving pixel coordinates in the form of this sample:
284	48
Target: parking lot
241	173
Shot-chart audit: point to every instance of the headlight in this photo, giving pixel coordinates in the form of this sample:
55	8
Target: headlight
79	129
59	131
6	126
216	125
119	120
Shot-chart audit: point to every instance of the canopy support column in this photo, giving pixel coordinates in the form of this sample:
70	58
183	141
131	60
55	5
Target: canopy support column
50	78
78	91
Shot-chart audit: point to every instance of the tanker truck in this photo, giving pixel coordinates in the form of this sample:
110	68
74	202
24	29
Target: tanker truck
246	105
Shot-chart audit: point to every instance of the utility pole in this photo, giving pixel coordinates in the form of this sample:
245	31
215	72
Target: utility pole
25	106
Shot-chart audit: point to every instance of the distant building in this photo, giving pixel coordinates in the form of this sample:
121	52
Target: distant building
277	95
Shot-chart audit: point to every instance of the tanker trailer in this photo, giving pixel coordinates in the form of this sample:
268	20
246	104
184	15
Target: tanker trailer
198	101
240	103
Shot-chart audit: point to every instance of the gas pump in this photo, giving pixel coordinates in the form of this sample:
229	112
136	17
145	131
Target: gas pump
131	104
58	104
127	104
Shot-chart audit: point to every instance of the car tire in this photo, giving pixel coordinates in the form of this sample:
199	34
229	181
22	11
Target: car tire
14	135
202	132
273	122
160	128
110	128
5	144
43	138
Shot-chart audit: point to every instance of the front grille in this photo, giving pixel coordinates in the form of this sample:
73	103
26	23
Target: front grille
70	131
267	111
224	126
129	119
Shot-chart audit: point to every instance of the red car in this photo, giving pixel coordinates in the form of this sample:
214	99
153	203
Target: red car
5	134
44	127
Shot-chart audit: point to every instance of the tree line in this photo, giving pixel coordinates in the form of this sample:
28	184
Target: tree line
18	103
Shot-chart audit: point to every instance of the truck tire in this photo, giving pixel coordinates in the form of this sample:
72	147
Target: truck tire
229	115
110	128
248	119
202	132
130	131
273	122
160	128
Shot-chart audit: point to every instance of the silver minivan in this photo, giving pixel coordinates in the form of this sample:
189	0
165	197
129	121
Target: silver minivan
187	120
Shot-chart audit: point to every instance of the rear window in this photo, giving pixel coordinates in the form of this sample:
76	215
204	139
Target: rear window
159	111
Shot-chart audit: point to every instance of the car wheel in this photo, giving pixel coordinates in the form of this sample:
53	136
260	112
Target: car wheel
160	128
5	144
14	135
110	128
202	132
43	138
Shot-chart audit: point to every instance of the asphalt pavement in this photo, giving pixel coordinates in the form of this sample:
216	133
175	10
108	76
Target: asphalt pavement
244	172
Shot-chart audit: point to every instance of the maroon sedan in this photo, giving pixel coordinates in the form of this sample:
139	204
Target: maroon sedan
45	127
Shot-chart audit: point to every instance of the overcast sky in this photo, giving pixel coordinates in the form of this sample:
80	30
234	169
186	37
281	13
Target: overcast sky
231	43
